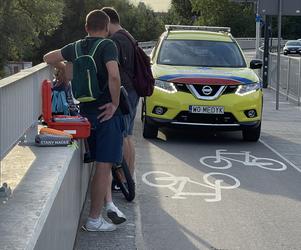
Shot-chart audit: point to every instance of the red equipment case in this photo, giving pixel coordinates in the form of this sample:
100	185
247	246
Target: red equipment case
79	127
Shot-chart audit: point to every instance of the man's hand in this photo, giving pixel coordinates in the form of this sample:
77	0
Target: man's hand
60	76
109	110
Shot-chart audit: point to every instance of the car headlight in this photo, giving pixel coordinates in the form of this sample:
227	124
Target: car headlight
247	89
165	86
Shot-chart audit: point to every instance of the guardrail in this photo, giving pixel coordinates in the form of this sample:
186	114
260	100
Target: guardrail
147	45
20	104
290	75
250	43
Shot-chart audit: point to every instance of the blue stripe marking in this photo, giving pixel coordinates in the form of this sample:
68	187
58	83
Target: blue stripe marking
235	78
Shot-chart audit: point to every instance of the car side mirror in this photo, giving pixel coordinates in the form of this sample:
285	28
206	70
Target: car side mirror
255	64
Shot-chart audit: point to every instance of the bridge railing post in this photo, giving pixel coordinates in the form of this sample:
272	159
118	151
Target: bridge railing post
288	78
299	83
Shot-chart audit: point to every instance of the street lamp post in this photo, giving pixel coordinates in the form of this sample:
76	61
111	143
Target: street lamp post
278	52
258	35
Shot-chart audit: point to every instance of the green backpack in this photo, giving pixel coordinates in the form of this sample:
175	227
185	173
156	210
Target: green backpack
85	85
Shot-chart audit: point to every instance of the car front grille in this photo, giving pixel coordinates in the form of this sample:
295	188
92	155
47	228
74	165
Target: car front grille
229	89
182	87
187	117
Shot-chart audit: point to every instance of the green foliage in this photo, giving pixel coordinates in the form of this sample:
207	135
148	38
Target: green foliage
22	22
30	28
291	28
140	21
182	11
240	17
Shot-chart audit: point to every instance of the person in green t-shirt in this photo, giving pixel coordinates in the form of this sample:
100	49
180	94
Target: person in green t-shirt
107	125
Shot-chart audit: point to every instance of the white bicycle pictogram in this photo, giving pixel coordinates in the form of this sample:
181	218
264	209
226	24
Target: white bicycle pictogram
177	184
222	160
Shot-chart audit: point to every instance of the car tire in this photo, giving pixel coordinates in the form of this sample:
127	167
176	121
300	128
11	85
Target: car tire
143	109
251	134
149	131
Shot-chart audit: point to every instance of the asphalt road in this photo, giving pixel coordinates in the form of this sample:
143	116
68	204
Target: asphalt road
255	205
191	195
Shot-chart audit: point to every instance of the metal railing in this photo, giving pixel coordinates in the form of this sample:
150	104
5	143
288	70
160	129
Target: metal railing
250	43
20	104
290	75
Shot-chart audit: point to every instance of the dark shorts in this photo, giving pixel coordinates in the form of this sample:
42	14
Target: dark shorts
106	139
130	118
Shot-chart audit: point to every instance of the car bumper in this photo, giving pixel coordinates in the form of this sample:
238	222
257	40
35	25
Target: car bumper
173	123
292	51
176	106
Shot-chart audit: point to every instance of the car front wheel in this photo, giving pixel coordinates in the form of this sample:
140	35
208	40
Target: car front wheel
149	131
251	134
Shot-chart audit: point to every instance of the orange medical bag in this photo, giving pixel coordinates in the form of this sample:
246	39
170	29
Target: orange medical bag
79	127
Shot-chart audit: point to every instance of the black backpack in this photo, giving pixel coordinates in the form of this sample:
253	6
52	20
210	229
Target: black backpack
143	79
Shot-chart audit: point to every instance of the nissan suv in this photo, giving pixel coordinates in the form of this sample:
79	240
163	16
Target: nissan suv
202	80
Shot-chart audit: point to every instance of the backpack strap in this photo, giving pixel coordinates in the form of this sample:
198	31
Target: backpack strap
78	49
95	46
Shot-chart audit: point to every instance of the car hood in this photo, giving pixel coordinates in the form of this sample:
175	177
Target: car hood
204	75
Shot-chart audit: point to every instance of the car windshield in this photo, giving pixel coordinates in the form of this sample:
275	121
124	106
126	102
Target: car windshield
294	43
201	53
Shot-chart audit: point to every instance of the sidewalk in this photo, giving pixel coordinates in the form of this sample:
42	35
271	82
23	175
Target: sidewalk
281	129
281	132
122	239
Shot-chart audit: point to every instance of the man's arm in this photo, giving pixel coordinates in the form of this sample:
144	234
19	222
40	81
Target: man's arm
55	59
114	87
114	81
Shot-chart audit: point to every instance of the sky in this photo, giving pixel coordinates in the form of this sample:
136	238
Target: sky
156	5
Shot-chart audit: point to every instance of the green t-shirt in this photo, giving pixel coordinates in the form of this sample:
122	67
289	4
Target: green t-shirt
106	52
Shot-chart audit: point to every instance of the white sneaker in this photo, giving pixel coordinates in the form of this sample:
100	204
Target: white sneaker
115	215
101	225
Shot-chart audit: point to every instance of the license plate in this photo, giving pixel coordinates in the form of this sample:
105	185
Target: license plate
206	109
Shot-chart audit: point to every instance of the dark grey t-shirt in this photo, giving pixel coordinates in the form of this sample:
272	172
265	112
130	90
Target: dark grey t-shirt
126	58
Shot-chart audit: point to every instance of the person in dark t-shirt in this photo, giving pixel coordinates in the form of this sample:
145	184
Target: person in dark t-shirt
107	124
126	57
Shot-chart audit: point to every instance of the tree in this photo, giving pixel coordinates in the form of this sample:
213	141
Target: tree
239	16
145	25
139	20
22	22
184	10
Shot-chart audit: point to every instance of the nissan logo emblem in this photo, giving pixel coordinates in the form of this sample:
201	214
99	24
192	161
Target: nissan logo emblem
207	90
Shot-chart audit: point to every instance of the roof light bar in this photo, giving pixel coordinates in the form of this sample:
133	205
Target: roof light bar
205	28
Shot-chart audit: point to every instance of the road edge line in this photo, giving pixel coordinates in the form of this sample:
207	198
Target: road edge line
139	241
280	155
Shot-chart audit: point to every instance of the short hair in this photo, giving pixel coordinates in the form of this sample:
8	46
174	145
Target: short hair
112	13
97	20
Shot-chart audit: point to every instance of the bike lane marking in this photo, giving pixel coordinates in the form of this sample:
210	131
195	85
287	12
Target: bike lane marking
178	191
280	155
182	181
223	156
